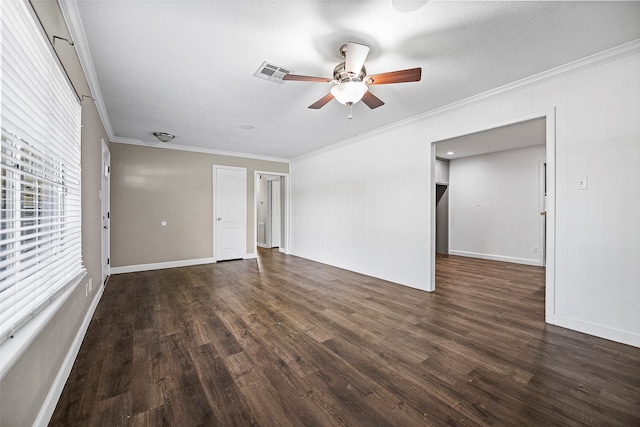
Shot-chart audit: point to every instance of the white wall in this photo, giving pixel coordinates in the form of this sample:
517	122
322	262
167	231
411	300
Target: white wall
363	207
494	210
365	204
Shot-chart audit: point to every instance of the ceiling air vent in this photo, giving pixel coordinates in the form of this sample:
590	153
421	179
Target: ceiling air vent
271	72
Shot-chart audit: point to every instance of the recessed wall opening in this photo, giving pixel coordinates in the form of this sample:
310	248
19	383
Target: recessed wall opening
271	204
492	195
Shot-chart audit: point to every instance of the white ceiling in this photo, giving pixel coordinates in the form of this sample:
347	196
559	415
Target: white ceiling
186	67
509	137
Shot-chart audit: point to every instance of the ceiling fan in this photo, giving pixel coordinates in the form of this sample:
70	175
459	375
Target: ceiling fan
351	82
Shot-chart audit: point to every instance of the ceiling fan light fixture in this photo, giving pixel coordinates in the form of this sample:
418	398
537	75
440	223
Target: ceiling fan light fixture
349	92
163	136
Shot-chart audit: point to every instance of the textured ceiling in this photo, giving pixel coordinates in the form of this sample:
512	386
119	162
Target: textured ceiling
186	67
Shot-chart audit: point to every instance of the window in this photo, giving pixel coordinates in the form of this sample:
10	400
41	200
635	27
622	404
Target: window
40	218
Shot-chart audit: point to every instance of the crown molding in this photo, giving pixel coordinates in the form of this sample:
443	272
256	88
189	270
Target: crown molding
193	149
74	23
71	16
596	59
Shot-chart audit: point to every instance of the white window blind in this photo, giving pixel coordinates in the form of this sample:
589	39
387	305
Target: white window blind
40	221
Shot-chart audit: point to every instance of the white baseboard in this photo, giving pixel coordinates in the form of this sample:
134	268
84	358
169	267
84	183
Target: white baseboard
526	261
388	277
602	331
50	402
160	265
252	255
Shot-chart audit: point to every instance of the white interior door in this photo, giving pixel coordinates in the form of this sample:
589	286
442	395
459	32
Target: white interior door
275	214
230	199
105	189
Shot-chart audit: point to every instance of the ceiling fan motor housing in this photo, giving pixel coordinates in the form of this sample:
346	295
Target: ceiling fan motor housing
340	75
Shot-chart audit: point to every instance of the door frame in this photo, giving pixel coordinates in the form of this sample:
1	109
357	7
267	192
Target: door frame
105	202
550	236
542	205
215	209
285	213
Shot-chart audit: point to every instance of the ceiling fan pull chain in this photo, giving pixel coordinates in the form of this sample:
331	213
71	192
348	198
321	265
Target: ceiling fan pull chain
350	104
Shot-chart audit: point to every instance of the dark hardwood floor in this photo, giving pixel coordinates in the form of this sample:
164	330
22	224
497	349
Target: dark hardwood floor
283	341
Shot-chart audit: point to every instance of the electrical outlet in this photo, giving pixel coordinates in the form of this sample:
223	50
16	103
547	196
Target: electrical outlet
86	290
90	285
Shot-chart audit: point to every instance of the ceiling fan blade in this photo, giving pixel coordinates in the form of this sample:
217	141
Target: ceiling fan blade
371	100
297	78
321	102
355	55
402	76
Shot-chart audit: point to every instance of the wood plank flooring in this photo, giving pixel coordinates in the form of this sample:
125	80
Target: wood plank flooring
283	341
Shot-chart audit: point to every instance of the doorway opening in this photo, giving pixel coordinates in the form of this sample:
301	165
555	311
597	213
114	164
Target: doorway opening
271	219
540	241
442	206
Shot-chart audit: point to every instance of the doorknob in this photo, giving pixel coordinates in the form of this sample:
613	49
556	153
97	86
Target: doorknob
219	219
543	213
106	227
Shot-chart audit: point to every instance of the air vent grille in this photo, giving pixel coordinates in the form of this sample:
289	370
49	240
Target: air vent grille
271	72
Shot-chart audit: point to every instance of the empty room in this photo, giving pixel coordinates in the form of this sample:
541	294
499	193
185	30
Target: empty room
287	213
